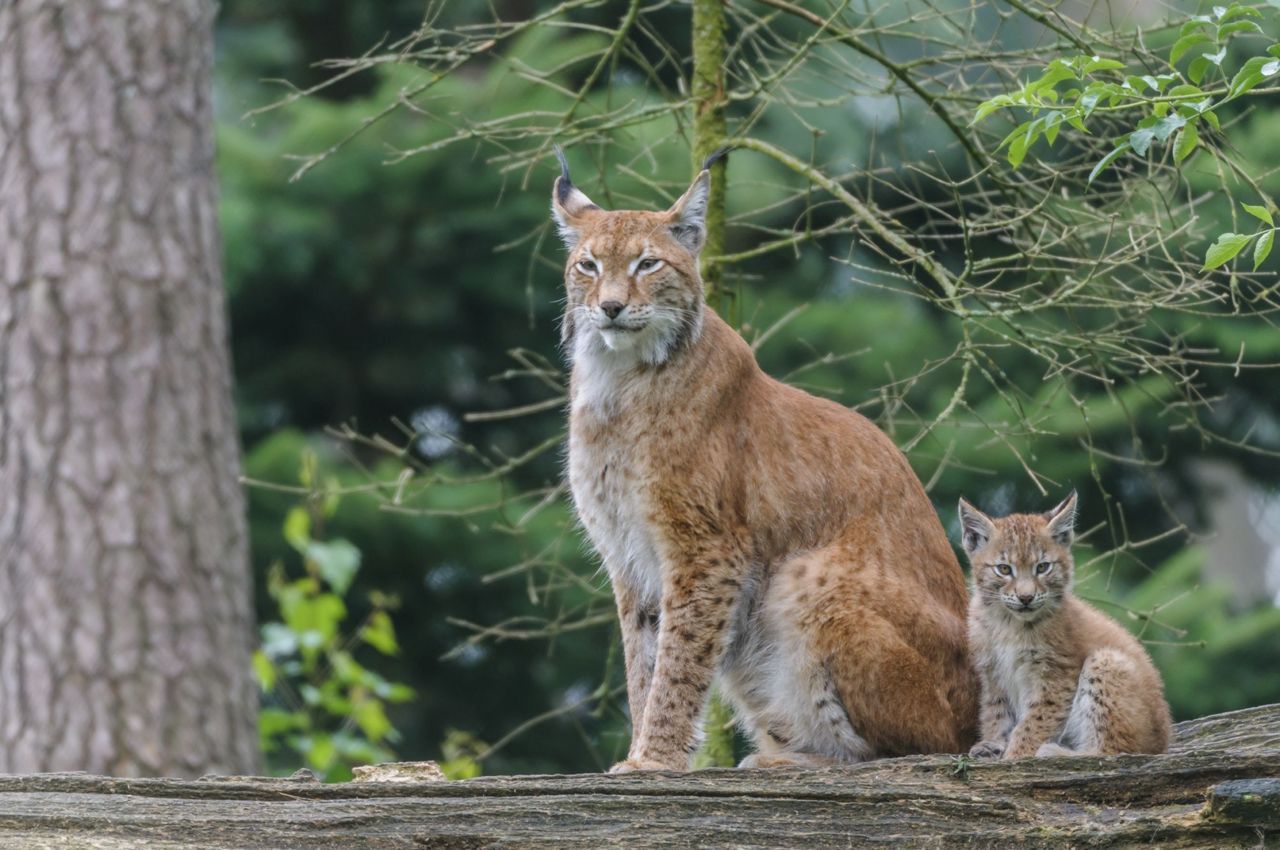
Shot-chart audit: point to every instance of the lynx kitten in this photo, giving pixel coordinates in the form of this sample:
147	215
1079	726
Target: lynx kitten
1058	677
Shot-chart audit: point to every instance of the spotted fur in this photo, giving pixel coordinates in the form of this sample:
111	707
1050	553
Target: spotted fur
751	531
1058	676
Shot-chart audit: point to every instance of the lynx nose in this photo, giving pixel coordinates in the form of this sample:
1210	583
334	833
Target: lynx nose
612	308
1025	599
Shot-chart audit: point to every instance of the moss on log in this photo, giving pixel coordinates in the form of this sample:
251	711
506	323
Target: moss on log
1218	787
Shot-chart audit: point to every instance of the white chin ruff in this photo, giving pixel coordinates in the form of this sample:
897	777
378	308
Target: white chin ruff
618	340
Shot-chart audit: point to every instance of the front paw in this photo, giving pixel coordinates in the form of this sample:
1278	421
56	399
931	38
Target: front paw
987	750
634	764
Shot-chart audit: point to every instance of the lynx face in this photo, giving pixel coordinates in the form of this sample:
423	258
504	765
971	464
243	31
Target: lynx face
631	277
1021	562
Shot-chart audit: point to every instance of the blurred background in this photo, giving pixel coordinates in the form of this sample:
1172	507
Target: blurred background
394	286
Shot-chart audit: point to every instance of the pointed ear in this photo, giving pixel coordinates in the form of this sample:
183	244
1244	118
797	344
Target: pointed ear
976	528
568	204
688	215
1062	520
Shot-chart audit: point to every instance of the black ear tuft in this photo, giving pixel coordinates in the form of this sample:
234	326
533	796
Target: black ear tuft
565	184
1062	520
716	155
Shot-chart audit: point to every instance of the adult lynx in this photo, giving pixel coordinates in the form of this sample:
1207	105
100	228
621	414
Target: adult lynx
1058	676
748	528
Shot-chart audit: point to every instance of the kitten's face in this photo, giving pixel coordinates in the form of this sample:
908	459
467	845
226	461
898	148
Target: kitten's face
1021	563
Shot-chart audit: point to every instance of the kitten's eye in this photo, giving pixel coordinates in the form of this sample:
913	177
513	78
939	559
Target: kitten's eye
1043	568
588	266
648	264
1004	570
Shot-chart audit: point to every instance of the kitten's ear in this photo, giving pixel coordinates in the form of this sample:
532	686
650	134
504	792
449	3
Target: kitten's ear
688	215
569	206
1062	520
976	528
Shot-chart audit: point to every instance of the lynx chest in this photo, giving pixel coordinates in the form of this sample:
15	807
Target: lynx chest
1017	667
609	478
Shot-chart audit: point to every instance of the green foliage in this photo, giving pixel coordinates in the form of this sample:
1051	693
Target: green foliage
322	705
1164	109
1228	245
462	753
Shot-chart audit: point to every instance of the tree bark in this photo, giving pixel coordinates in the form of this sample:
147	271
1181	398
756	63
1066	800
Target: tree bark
125	619
1213	791
710	129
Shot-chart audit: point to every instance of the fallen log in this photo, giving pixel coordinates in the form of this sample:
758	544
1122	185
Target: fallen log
1219	786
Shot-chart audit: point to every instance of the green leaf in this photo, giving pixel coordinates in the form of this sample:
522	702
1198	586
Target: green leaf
1229	30
1051	127
1260	213
1195	71
1140	140
1224	249
1186	143
1253	72
1167	126
380	633
314	619
278	640
1182	45
337	561
1018	149
1194	23
371	717
264	671
1235	10
320	752
1263	248
990	106
1100	64
273	722
1107	160
297	528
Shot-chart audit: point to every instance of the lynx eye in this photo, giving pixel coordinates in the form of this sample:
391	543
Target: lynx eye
1003	570
648	264
1043	568
588	266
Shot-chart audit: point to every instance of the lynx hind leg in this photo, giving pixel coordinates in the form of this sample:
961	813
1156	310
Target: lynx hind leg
1105	716
854	683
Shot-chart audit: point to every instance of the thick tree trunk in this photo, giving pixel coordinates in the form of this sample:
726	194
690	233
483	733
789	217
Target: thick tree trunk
1212	791
124	590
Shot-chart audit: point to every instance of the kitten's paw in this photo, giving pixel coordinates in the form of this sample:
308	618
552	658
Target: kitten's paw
987	750
631	765
1051	749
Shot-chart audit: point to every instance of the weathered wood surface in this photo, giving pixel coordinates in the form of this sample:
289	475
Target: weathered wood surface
1219	787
